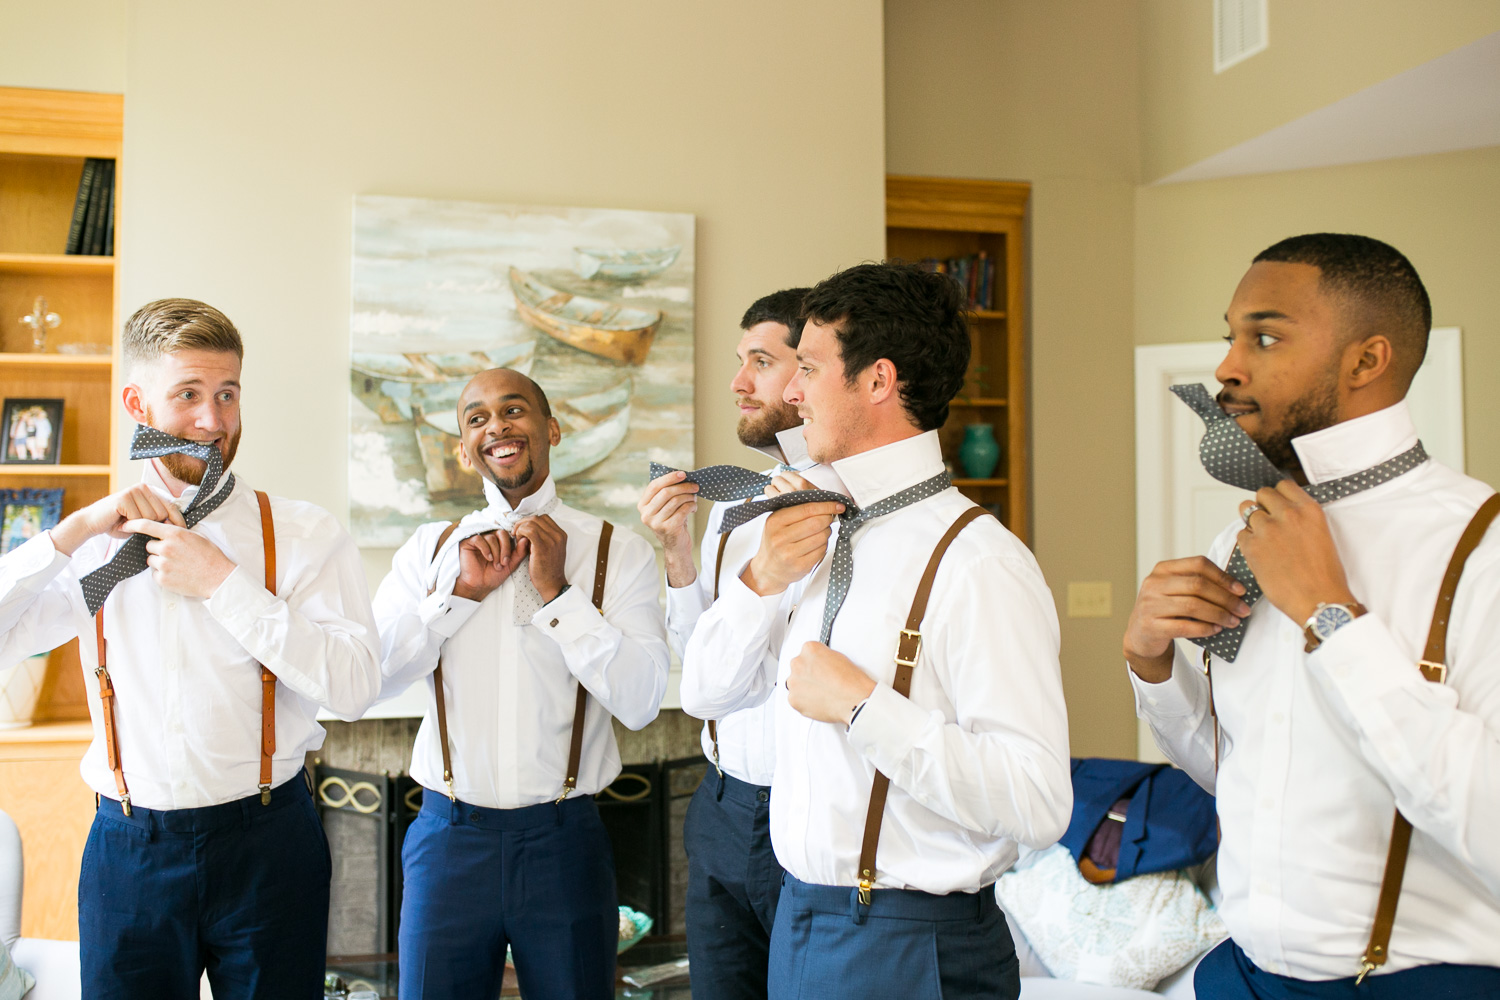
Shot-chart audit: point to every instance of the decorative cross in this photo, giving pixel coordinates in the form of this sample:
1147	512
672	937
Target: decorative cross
40	321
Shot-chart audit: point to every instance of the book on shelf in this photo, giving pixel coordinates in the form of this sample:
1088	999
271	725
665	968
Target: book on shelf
974	273
91	231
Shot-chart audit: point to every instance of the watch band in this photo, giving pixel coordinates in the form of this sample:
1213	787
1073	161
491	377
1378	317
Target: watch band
1314	640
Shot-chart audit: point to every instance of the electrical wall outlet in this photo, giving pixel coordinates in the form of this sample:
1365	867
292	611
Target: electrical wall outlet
1090	599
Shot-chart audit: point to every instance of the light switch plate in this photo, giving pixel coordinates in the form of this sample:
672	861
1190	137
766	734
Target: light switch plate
1090	599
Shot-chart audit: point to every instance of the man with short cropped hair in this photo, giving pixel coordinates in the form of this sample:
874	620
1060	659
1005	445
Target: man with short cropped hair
1335	699
205	676
530	624
733	877
962	713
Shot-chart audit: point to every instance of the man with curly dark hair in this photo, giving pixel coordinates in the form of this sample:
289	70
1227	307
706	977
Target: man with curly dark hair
903	786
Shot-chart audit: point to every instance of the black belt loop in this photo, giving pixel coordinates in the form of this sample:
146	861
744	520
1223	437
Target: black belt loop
857	911
558	807
455	812
719	796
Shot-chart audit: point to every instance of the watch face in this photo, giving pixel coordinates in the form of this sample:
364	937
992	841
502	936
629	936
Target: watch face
1330	619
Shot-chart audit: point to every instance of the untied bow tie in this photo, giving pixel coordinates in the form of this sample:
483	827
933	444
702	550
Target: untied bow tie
149	442
1231	456
527	600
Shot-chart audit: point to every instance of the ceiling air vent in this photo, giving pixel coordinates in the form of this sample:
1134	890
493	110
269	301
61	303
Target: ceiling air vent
1239	31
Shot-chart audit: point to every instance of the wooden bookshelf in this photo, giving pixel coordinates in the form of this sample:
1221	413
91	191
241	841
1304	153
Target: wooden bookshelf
45	135
943	217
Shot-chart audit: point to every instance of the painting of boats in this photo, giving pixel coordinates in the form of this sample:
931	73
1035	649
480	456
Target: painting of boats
443	290
620	333
623	265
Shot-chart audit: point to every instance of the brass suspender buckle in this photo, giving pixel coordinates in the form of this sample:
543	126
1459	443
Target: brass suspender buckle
265	795
448	780
1365	968
1440	669
904	658
125	803
866	883
567	790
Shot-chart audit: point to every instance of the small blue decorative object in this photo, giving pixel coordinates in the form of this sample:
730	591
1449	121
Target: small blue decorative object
980	452
636	919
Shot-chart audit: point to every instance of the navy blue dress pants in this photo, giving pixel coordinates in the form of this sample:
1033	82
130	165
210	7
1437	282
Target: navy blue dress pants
540	879
905	945
239	889
733	884
1226	973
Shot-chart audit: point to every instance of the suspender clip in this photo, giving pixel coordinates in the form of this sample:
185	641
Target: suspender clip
866	883
125	804
1365	968
448	780
567	790
908	647
265	795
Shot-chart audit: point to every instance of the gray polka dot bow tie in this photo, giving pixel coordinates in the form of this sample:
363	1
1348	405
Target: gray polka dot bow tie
723	483
131	558
1231	456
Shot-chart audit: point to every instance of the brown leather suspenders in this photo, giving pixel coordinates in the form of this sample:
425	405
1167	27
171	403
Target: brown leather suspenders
267	682
580	707
908	648
1434	669
713	726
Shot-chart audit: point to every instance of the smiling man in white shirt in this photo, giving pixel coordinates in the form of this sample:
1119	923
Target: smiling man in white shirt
977	754
1324	725
206	851
733	877
523	670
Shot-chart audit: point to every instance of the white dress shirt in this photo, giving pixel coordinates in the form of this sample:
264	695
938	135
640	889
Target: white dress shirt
747	738
185	671
977	757
511	689
1319	749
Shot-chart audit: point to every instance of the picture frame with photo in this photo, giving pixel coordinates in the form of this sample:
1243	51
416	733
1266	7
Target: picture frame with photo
24	514
33	432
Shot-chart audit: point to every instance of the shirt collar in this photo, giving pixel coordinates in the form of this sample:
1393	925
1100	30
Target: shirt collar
790	451
885	471
1355	445
500	508
152	477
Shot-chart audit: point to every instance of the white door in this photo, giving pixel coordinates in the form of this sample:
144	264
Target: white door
1180	508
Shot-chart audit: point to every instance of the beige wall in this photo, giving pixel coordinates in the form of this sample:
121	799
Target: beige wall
1046	93
249	129
63	44
1194	241
1320	51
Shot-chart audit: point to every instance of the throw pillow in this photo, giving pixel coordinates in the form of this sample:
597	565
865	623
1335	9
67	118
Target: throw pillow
14	981
1129	934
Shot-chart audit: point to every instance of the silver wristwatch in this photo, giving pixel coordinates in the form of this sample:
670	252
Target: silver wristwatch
1328	619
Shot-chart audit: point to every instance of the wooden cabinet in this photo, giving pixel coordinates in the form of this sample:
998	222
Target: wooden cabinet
936	218
45	136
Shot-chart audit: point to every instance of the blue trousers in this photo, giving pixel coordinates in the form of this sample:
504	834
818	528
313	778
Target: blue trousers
906	945
239	889
733	883
540	879
1226	973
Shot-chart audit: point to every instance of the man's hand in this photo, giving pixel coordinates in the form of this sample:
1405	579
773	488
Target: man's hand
548	547
485	561
666	508
1291	552
1182	598
792	544
108	515
181	561
826	686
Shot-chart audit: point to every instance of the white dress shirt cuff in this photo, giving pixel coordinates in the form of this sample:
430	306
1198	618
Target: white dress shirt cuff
238	603
1360	665
887	729
748	614
35	563
685	604
1179	696
445	614
567	617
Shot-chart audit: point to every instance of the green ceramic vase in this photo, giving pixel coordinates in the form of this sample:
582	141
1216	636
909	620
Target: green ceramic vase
980	452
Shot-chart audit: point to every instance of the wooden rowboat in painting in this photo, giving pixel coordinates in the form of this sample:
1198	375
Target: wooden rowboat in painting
623	265
393	384
622	334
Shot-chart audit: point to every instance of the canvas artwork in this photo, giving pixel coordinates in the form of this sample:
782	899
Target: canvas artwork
595	304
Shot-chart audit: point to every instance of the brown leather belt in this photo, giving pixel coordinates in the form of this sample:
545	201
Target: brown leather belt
908	649
267	682
580	705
